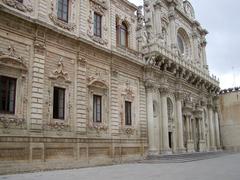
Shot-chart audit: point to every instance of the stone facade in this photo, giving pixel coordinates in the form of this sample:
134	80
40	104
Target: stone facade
162	73
230	119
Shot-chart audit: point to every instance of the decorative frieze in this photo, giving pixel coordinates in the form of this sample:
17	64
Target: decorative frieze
8	122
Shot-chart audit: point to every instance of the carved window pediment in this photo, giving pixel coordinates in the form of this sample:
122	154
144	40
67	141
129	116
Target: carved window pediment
59	73
11	60
98	84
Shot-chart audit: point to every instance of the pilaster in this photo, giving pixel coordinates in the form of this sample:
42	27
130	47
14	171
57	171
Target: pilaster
38	81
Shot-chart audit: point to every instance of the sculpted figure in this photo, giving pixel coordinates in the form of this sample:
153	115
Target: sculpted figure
139	17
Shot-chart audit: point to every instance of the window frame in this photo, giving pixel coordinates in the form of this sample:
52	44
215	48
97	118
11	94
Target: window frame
55	115
61	17
97	25
123	28
8	111
128	113
96	110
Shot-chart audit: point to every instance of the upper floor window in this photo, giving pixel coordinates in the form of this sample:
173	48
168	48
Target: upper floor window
180	44
59	103
128	113
122	35
7	94
62	12
97	108
97	25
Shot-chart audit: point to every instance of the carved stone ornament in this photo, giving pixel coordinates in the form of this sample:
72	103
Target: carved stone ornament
98	6
12	60
25	6
11	122
128	131
62	24
97	81
128	93
60	73
99	127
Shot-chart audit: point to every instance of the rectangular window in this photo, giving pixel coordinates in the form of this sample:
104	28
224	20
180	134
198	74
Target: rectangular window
97	108
62	12
97	25
58	103
7	94
128	113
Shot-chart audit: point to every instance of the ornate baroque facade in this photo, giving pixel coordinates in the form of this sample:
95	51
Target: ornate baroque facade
86	82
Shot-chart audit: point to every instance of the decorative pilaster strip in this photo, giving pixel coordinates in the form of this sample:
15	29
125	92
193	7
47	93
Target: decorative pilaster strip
38	81
81	101
115	120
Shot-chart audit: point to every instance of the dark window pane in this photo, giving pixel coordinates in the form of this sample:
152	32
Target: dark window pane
128	113
97	108
58	103
97	25
7	94
63	10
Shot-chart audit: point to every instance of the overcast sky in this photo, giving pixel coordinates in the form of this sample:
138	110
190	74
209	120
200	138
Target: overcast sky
221	19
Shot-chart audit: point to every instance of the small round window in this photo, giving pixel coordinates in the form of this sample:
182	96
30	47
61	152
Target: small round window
180	44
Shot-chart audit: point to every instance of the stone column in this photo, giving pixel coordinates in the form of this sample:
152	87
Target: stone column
157	19
180	122
165	148
188	128
190	144
211	128
151	143
195	42
217	130
173	33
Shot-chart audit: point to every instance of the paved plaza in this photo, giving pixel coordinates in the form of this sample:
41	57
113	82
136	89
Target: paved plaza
221	168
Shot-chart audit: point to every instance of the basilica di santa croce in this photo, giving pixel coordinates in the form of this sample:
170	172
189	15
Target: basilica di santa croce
89	82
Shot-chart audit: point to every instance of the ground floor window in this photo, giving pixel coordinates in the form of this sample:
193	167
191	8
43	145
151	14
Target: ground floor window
128	113
7	94
59	103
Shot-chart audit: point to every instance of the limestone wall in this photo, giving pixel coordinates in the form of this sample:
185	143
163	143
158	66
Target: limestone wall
230	120
40	59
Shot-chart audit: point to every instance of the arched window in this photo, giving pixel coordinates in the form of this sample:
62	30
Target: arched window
122	35
180	44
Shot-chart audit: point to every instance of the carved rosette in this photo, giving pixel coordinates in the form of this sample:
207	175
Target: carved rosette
26	6
129	131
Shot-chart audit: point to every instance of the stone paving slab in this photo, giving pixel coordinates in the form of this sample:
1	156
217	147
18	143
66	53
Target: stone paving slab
222	168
